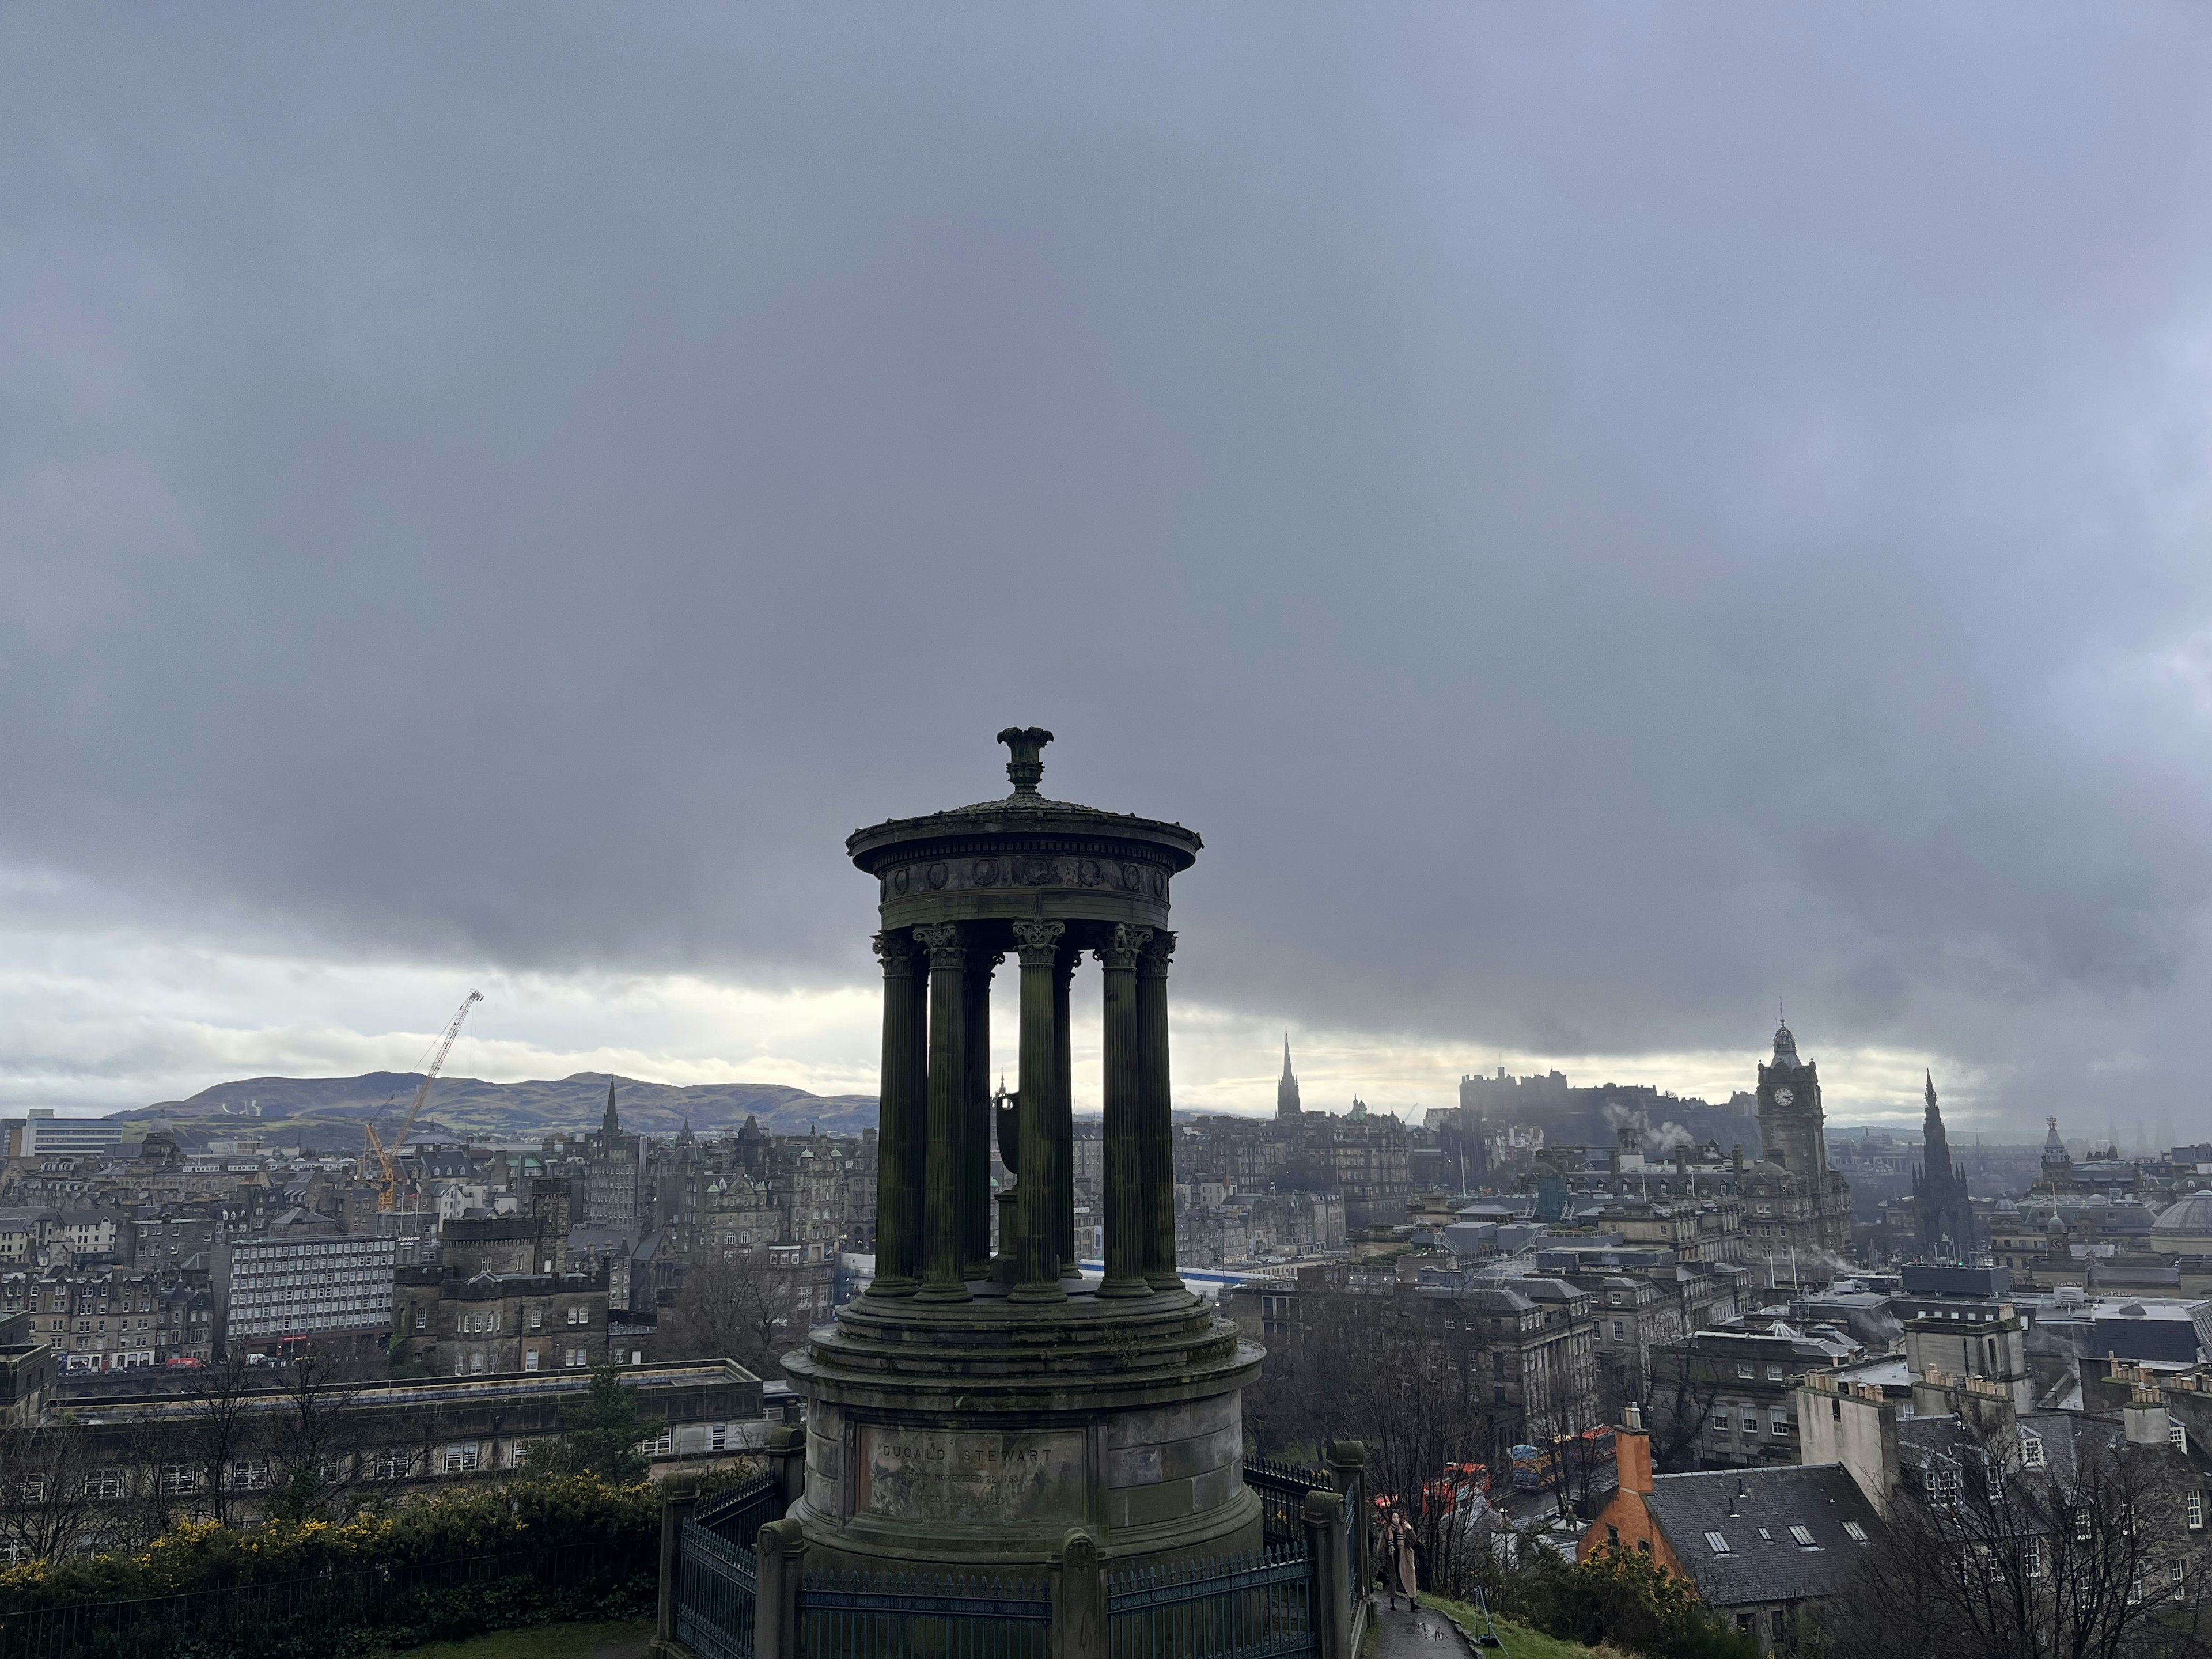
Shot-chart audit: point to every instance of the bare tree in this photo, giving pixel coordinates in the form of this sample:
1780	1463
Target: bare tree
225	1425
1677	1399
741	1309
313	1436
152	1478
2078	1555
1404	1374
49	1505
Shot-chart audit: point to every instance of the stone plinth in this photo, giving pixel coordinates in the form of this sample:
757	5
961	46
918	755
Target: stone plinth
972	1437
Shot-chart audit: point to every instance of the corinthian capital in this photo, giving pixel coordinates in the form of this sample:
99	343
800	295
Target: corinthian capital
1039	941
1122	947
1154	958
897	951
943	942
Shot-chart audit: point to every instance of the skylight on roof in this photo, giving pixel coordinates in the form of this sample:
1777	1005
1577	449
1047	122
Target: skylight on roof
1804	1537
1720	1544
1855	1532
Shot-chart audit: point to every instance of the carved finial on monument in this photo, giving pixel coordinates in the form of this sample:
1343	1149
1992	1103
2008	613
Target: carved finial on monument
1026	769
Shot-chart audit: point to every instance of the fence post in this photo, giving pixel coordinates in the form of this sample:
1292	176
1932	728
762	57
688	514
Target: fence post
1325	1546
1348	1463
1079	1599
787	1462
782	1558
677	1499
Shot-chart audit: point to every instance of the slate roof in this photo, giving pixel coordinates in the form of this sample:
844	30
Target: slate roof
1819	1497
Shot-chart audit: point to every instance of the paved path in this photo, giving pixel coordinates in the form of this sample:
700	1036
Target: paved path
1426	1634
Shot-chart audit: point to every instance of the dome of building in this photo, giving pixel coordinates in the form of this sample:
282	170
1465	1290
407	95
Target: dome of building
2190	1216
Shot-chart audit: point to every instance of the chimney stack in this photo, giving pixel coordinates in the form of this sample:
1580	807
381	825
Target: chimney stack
1631	1452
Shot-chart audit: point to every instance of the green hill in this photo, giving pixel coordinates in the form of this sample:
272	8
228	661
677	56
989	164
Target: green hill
328	1111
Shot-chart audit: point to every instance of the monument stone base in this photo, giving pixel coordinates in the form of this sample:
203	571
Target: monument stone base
973	1437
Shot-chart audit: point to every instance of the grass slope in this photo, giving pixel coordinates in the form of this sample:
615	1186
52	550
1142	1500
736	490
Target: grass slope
1518	1641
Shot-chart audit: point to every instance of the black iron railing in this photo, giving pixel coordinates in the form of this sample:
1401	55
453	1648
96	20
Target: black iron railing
717	1584
739	1513
1255	1606
1281	1489
856	1615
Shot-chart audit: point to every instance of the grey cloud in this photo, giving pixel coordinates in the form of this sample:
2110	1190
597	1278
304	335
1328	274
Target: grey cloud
1599	516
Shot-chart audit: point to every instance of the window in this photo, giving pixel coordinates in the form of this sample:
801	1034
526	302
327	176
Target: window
579	1316
537	1319
1746	1369
2177	1437
2081	1524
1994	1476
1835	1409
579	1357
460	1460
2031	1558
1751	1422
1718	1545
2177	1575
1855	1532
1778	1420
1613	1536
530	1360
718	1437
2031	1451
394	1465
422	1317
179	1478
664	1443
2196	1507
1804	1538
104	1483
2136	1583
1774	1373
1619	1330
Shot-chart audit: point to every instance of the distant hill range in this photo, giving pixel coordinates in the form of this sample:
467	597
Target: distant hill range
329	1110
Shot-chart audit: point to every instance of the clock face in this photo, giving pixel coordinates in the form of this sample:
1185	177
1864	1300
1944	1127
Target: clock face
1783	1096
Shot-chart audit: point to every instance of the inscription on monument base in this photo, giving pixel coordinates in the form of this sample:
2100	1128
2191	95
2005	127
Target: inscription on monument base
937	1475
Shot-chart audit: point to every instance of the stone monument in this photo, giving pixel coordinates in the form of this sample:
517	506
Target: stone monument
975	1408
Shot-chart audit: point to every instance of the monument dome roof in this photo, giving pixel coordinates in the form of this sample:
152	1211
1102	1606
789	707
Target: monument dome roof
2191	1215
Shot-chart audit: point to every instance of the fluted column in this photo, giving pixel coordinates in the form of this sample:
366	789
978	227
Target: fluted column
1063	1117
1156	1115
900	1132
1125	1233
1036	1270
948	1098
974	1160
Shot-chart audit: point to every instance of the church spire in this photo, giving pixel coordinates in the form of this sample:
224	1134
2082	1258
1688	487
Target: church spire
609	1126
1286	1086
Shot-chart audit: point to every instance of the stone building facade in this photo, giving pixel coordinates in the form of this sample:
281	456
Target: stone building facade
492	1323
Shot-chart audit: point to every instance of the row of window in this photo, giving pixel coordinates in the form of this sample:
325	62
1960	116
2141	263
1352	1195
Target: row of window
485	1322
1778	1419
472	1365
1801	1536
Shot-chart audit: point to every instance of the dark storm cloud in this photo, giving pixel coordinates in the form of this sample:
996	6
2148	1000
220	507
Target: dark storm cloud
1601	516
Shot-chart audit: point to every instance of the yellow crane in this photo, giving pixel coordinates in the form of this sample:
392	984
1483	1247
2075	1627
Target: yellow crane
379	1159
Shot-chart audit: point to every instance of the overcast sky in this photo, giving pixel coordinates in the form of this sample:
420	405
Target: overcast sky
1604	517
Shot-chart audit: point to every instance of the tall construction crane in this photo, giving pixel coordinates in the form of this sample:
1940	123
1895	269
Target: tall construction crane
385	1170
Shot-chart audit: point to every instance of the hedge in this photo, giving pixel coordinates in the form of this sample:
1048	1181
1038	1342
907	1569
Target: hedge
451	1564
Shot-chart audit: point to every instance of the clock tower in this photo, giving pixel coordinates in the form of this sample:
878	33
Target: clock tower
1790	1120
